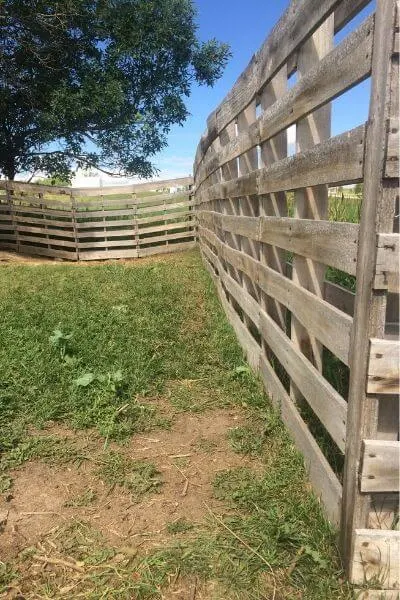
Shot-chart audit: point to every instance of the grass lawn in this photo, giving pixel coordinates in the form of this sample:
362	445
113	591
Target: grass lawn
139	456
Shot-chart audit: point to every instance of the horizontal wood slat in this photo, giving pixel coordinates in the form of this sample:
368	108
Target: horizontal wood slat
338	160
380	470
376	558
331	243
330	325
321	475
327	404
383	369
348	64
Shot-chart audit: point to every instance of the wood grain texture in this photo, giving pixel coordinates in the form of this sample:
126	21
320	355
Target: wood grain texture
383	367
387	262
370	304
330	325
376	558
323	479
327	404
376	594
380	471
333	244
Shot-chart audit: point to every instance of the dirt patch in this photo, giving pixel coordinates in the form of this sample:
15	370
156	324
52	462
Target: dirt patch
45	498
14	258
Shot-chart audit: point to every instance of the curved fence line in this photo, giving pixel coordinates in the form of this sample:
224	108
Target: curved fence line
313	297
96	224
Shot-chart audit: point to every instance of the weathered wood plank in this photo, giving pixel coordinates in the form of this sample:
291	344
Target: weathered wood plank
107	254
45	231
392	151
330	325
327	404
163	208
166	249
380	470
93	245
140	220
387	262
348	64
130	230
166	237
134	188
347	10
383	367
370	306
323	479
376	594
333	244
34	188
376	558
338	160
42	240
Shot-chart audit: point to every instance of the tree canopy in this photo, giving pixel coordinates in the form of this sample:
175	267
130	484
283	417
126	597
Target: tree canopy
96	83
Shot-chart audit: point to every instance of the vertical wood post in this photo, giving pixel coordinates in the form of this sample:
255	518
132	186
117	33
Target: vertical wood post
370	303
136	221
311	203
248	205
274	204
75	226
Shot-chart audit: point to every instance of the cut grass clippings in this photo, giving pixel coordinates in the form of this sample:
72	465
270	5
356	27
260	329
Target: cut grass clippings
170	344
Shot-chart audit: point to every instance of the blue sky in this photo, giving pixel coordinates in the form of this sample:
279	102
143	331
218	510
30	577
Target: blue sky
244	26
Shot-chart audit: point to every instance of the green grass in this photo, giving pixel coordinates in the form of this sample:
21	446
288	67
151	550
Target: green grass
138	477
179	526
129	337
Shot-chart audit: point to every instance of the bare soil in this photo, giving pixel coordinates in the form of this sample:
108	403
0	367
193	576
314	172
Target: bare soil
188	456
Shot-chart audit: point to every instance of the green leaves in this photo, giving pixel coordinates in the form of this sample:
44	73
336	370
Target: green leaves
84	380
60	341
111	74
242	371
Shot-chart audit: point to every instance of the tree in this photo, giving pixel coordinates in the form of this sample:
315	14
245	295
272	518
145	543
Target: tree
96	83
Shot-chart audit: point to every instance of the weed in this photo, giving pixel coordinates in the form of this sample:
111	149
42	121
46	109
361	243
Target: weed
84	499
139	477
206	445
179	526
7	575
52	449
5	483
245	440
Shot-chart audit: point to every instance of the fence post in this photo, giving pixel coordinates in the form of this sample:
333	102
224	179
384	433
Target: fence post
274	204
14	221
136	221
75	225
378	212
311	203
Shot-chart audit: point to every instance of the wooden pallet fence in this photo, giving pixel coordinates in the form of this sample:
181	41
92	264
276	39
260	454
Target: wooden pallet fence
87	224
272	250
